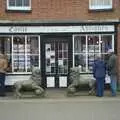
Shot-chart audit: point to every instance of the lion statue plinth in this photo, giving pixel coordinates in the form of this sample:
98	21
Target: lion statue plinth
77	80
32	84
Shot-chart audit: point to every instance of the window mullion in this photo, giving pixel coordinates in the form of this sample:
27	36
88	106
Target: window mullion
22	2
113	42
39	51
25	53
100	44
73	40
12	56
15	3
86	53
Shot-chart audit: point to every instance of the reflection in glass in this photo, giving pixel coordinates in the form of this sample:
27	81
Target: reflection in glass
18	2
65	46
32	60
32	45
26	3
80	44
11	2
93	44
80	60
63	58
106	43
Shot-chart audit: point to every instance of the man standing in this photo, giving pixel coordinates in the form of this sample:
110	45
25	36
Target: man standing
3	68
112	71
99	72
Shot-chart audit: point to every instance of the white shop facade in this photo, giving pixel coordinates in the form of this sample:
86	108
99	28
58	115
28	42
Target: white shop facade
54	48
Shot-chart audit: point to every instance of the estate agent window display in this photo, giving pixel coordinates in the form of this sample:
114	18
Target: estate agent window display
22	52
87	47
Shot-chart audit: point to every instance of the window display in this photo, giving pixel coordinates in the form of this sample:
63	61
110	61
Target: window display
22	52
19	54
62	58
87	47
80	44
106	43
32	52
50	58
6	48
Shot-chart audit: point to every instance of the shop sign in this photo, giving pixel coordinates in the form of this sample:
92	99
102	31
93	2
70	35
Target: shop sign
56	29
17	29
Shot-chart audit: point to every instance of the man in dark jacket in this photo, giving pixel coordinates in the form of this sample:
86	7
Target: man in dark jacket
112	71
99	72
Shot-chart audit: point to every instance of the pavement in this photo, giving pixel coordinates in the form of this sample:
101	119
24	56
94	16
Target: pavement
56	105
61	95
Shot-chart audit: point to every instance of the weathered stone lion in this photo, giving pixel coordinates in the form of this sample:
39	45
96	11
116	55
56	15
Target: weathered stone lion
78	80
33	84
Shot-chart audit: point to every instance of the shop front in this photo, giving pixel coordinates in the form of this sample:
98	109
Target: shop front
54	49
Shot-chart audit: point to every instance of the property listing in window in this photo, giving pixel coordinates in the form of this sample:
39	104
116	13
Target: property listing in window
22	52
88	47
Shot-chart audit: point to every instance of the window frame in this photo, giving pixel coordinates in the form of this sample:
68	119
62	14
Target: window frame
20	8
26	53
100	7
87	52
12	54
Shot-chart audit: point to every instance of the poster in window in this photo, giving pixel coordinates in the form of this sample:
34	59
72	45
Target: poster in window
21	57
21	64
21	48
28	48
15	49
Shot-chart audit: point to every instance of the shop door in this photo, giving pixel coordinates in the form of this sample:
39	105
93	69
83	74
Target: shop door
56	62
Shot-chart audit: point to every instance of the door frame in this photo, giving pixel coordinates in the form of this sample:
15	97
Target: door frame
44	39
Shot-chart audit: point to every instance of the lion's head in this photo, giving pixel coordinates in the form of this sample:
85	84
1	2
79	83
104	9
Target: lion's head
74	75
36	75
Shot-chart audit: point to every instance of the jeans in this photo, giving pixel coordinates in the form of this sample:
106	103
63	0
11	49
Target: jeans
113	84
2	84
100	86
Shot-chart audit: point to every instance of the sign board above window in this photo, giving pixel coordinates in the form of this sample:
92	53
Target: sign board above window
57	29
100	4
18	4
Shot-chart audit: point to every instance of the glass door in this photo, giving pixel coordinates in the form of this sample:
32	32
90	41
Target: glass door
56	63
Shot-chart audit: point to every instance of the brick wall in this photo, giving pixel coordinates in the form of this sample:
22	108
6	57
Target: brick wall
118	52
59	10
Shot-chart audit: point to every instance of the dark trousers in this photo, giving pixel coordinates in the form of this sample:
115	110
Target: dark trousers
2	84
100	86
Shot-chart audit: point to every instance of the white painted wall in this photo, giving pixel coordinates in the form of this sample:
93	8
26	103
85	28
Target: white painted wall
11	79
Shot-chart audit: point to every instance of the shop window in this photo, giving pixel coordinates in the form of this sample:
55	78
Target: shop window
88	47
19	54
23	52
93	49
106	43
6	48
26	53
100	4
32	52
79	51
18	4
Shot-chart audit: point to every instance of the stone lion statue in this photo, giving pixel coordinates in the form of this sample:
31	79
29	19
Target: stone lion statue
33	84
77	80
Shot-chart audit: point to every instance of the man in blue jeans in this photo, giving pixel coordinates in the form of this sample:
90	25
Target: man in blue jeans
112	71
